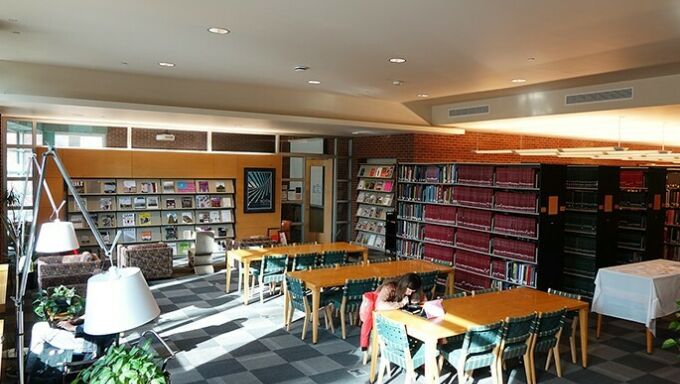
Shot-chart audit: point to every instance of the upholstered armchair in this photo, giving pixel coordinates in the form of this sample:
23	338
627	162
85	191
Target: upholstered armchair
69	270
154	260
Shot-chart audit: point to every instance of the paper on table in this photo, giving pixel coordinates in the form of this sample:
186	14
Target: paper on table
433	308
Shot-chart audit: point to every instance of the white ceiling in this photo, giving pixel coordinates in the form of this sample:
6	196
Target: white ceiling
452	47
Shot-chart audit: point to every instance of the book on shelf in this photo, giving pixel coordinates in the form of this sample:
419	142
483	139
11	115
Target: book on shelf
438	253
216	202
107	220
79	186
170	233
203	217
203	201
140	202
146	235
168	187
187	218
473	262
478	241
129	186
203	186
106	237
516	249
475	174
145	218
474	218
516	201
148	187
185	186
220	187
214	217
92	186
128	219
152	202
632	178
170	203
109	187
227	216
183	247
516	225
124	202
78	221
516	177
171	218
85	239
187	202
106	204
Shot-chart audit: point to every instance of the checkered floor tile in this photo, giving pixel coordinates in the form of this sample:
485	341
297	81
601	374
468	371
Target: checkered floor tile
222	341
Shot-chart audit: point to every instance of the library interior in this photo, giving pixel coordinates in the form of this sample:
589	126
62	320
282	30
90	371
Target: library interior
340	192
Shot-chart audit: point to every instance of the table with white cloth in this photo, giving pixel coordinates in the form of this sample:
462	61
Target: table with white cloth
639	292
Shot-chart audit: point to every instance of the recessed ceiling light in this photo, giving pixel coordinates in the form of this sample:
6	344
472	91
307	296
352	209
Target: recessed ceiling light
315	82
16	32
166	64
361	132
519	80
531	58
300	68
397	60
397	82
218	30
124	62
423	95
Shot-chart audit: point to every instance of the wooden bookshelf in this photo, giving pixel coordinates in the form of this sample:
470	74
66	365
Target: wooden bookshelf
152	210
589	225
484	219
640	214
375	199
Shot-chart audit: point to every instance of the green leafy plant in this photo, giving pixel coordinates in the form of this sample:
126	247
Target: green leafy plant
674	342
58	303
124	365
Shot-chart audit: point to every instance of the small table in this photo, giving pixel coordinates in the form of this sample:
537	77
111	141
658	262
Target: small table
317	279
472	311
638	292
246	256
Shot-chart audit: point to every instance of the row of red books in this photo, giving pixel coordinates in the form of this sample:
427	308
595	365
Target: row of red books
470	282
522	250
439	234
473	196
515	225
474	218
518	201
475	174
434	252
632	178
485	220
478	241
441	214
473	262
516	177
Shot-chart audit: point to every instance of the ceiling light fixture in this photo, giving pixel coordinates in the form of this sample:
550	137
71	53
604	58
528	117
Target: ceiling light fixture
314	82
166	64
423	95
493	151
300	68
397	82
517	81
397	60
218	30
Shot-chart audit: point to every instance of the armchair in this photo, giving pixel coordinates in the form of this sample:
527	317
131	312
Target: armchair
69	270
154	260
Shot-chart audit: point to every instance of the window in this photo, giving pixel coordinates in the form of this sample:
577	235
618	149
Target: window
80	136
19	133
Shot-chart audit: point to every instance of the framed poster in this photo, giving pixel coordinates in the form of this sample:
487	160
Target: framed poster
259	190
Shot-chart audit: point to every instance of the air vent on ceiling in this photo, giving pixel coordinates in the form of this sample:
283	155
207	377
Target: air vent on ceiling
599	97
469	111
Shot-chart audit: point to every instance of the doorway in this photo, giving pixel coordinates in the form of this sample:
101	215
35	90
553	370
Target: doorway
318	200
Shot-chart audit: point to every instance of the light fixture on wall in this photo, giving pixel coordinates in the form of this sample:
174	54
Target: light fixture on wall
165	136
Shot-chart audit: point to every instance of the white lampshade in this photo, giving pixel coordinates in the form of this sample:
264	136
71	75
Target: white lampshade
56	236
118	301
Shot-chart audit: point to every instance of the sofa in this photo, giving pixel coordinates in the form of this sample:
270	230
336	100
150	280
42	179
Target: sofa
68	270
154	260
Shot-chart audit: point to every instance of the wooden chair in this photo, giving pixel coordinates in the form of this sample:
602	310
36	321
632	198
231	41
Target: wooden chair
272	272
515	342
348	300
330	258
478	349
304	261
546	338
483	291
398	348
298	299
571	329
380	260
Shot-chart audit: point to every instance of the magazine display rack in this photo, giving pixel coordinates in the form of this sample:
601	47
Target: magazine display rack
375	198
153	210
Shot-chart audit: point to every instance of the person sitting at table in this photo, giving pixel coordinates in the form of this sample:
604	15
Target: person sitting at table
397	294
393	294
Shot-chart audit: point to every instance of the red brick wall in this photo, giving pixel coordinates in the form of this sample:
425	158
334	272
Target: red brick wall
243	143
187	140
116	137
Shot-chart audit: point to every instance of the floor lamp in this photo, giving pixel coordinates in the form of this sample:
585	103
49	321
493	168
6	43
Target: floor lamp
54	237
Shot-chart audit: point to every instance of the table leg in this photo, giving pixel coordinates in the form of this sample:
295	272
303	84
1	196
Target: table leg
365	256
228	269
650	341
285	302
598	326
374	352
246	281
431	368
316	296
450	287
583	323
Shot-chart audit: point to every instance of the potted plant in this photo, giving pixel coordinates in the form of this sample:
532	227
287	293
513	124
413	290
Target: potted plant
674	342
124	365
58	303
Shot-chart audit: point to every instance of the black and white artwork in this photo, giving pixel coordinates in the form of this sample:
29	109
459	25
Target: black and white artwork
259	190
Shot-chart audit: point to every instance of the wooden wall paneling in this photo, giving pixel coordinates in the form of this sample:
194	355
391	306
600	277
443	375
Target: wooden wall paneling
256	224
171	164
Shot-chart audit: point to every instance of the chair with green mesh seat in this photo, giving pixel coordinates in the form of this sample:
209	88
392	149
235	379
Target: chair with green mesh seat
398	348
478	349
349	299
546	332
483	291
333	258
304	261
381	260
571	327
272	271
427	282
298	298
515	343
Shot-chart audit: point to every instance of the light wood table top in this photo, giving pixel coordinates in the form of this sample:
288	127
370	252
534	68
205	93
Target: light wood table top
335	277
256	253
421	328
4	270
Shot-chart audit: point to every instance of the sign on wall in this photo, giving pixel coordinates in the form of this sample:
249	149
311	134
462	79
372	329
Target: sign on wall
259	190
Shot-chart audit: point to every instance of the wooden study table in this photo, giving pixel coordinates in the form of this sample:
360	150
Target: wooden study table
471	311
317	279
246	256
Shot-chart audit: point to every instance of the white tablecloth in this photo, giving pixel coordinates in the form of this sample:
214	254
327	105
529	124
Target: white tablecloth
639	292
